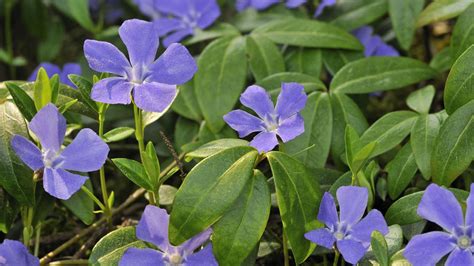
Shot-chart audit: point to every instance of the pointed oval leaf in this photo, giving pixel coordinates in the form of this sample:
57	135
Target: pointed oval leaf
117	134
459	88
305	60
264	57
441	10
401	171
463	32
404	14
422	138
355	14
420	100
134	171
22	100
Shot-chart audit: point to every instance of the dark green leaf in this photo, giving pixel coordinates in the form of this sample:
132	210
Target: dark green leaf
185	131
394	240
443	60
404	14
335	59
9	212
401	171
214	147
186	102
357	13
273	83
305	60
422	138
24	103
85	87
151	165
463	33
459	88
77	10
441	10
134	171
379	247
117	134
420	100
81	205
216	31
264	57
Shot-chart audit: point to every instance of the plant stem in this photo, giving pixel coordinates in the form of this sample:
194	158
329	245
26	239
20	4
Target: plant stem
37	239
336	258
285	249
93	197
8	36
27	225
103	184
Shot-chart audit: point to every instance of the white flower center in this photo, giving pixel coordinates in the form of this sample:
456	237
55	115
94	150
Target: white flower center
175	259
52	159
464	242
339	235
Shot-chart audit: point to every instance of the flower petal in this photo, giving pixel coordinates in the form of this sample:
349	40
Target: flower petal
112	91
51	70
470	208
105	57
372	45
141	39
291	100
177	36
176	7
204	257
257	99
147	7
86	153
291	127
27	152
364	35
352	251
263	4
327	211
322	237
386	50
175	66
166	25
15	253
49	125
196	241
294	3
243	122
352	203
439	206
429	248
142	257
322	5
460	257
62	184
374	221
154	97
264	141
209	10
153	227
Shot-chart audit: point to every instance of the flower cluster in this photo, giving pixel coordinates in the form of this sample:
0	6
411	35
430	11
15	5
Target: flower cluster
14	253
52	69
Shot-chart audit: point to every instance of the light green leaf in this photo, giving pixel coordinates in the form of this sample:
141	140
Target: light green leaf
422	138
357	13
463	32
401	171
42	91
77	10
379	247
459	88
264	57
134	171
273	83
420	100
394	240
440	10
152	165
117	134
404	14
216	31
214	147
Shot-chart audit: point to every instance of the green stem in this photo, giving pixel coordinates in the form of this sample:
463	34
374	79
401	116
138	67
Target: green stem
8	36
94	198
336	259
27	225
37	239
103	183
285	249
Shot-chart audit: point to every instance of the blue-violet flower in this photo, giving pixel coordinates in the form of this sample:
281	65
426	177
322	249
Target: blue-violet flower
14	253
350	234
153	228
283	120
264	4
86	153
153	82
52	69
439	205
373	44
322	5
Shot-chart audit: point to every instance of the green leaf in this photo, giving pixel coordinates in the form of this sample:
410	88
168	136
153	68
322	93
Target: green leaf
134	171
216	31
389	131
454	146
209	190
15	177
152	165
24	103
273	83
264	57
305	60
362	156
352	145
117	134
422	138
443	60
186	103
81	205
380	248
359	13
394	241
463	32
459	88
110	248
380	73
42	91
185	131
251	18
77	10
317	115
420	100
298	196
214	147
238	232
335	59
404	14
308	33
9	212
55	88
343	180
401	171
440	10
85	87
221	75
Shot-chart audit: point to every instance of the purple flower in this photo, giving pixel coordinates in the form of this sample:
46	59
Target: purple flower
350	233
322	5
52	69
153	81
283	120
373	44
264	4
86	153
178	19
14	253
438	205
153	228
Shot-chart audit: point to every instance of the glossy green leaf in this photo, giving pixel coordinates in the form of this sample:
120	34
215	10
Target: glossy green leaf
55	88
134	171
264	57
216	31
214	147
317	116
42	90
454	146
221	75
186	103
404	14
298	196
380	248
110	248
81	205
463	32
439	10
422	138
117	134
459	88
357	13
151	165
400	171
77	10
85	87
394	241
380	73
420	100
273	83
240	229
389	131
335	59
305	60
308	33
209	190
22	100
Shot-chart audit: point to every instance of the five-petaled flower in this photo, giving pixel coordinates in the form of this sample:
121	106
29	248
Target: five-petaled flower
439	205
373	44
264	4
153	82
86	153
14	253
350	233
153	228
283	120
52	69
178	19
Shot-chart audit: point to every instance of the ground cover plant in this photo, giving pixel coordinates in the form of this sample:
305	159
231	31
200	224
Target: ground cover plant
236	132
